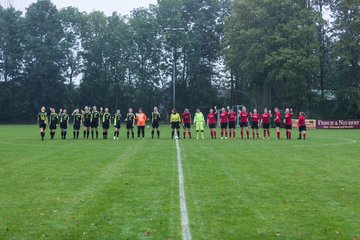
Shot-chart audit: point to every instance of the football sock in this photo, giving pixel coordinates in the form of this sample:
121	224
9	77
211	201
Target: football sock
178	133
242	134
214	133
128	135
211	134
184	133
62	135
65	134
152	134
114	133
289	135
234	134
299	135
87	133
133	135
74	134
92	134
257	134
84	133
230	134
222	134
117	134
158	133
247	134
253	134
189	134
304	136
197	134
202	134
77	134
172	134
97	134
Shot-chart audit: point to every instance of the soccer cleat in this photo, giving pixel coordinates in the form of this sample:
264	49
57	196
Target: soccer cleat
225	137
222	137
114	138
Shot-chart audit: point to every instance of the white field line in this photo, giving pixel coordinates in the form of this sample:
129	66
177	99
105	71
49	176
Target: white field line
185	228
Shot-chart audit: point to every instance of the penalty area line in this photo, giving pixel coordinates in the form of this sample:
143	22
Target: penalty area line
185	228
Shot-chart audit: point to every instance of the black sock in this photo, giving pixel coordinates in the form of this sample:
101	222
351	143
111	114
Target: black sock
42	134
97	134
117	133
62	135
133	134
152	133
158	133
178	133
74	133
65	135
87	133
92	134
172	134
128	134
84	133
77	135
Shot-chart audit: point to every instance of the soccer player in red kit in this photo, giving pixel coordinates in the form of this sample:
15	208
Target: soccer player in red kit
255	123
277	120
244	122
186	120
302	126
223	123
288	122
265	121
211	121
232	123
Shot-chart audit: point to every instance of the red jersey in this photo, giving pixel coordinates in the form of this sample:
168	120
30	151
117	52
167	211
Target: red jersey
278	117
211	118
255	117
186	117
265	117
301	121
244	117
232	117
224	117
288	118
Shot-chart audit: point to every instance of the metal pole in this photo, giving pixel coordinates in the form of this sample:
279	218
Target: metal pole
174	77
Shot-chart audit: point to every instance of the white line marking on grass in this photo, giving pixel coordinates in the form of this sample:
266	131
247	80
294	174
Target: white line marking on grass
185	228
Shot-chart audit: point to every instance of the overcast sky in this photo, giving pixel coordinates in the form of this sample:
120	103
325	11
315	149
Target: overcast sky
107	6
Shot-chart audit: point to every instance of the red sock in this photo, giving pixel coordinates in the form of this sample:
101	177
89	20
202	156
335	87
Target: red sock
214	133
222	133
268	131
278	135
225	133
289	135
184	133
299	135
242	134
253	135
257	134
211	134
189	134
230	134
247	134
304	136
264	133
234	134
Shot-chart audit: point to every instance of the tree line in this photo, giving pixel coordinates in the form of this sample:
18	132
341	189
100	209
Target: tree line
259	53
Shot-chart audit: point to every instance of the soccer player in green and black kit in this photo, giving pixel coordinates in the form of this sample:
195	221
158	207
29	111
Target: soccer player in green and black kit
64	123
86	118
95	121
42	120
53	122
155	122
77	123
106	121
130	122
117	124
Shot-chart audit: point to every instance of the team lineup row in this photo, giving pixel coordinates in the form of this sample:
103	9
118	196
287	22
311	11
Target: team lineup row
91	119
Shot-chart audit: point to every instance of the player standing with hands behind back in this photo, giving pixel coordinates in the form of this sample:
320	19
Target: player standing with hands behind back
141	121
53	122
42	120
175	123
199	122
255	123
277	122
211	121
186	120
64	123
130	122
155	122
244	122
288	122
106	122
302	125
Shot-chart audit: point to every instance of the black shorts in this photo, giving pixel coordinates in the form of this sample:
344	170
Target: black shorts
244	124
94	124
155	124
42	125
223	125
76	126
288	126
87	124
232	125
175	125
129	125
277	124
255	125
52	126
212	125
187	125
302	128
266	125
117	125
63	125
105	125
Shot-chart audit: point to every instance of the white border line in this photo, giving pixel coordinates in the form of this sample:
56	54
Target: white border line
185	228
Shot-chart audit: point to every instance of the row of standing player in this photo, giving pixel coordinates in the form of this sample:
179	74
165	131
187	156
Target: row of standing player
228	122
92	119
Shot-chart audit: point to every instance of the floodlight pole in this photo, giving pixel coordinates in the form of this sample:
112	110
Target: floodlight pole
174	62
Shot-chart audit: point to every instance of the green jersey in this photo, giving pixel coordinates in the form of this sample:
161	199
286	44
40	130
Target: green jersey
64	118
130	117
77	118
106	117
117	118
95	115
155	117
42	117
199	118
87	116
53	118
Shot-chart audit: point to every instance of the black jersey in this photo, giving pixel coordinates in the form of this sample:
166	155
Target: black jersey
64	118
155	117
130	117
95	116
42	117
87	116
117	118
77	118
106	117
53	118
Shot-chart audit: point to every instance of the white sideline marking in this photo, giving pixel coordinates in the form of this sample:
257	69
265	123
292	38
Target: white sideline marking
185	228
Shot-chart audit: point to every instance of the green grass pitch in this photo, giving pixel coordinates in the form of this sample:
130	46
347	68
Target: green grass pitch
128	189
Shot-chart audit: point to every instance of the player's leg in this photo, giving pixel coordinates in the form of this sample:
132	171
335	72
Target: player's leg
278	131
158	132
189	131
92	130
143	132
